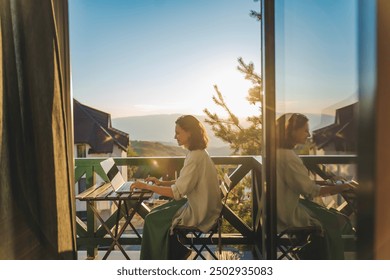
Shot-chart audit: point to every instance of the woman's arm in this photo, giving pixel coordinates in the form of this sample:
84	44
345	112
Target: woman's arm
165	191
166	183
160	183
335	189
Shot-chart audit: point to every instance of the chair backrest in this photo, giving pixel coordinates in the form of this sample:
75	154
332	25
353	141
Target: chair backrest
225	187
183	230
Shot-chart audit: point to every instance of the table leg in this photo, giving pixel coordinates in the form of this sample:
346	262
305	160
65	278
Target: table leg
114	237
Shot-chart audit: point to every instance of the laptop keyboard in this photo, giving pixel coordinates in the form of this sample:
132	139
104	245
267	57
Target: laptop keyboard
125	188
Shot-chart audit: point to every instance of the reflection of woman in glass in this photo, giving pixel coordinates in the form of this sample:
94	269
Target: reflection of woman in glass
196	196
293	182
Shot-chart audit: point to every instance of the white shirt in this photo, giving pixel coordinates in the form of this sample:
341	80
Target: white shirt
292	181
198	181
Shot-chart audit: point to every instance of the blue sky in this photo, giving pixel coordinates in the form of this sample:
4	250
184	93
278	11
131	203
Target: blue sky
316	55
143	57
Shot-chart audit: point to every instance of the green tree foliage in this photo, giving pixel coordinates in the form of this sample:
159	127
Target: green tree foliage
131	169
241	204
242	139
239	199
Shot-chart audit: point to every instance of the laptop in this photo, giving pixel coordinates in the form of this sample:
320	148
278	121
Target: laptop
116	179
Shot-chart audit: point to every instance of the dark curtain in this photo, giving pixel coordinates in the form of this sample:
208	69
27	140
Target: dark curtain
37	218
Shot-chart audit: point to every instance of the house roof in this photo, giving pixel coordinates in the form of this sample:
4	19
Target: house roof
341	133
93	127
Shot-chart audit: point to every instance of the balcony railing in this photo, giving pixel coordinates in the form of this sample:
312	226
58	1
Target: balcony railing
90	236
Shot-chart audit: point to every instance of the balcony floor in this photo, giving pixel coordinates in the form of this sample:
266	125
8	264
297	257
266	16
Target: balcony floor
227	254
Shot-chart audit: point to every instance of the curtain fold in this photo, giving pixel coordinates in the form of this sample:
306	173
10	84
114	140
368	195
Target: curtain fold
37	215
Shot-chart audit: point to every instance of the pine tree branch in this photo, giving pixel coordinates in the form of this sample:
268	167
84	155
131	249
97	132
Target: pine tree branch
222	103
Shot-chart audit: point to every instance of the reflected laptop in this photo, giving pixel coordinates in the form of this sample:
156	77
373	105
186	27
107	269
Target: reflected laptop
117	182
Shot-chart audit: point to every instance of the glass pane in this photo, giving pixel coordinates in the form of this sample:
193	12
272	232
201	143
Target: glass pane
139	65
317	77
145	63
316	58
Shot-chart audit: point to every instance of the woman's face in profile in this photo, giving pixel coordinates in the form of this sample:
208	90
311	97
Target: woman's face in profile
301	134
182	136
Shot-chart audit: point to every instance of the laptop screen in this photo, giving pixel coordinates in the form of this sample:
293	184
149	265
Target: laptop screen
112	173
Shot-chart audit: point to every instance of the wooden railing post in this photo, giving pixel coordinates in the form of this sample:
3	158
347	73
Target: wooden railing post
91	221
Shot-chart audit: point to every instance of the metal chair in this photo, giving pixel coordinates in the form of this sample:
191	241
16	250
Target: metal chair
292	240
194	237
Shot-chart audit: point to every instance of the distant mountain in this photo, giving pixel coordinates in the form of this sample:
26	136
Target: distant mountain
327	115
157	149
153	135
158	128
161	128
317	121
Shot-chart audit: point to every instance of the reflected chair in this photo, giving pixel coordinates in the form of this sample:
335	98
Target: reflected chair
290	241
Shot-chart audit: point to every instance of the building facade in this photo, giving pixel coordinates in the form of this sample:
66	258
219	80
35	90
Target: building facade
94	136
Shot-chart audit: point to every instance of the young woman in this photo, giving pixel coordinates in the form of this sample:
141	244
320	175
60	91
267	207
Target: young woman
196	196
294	182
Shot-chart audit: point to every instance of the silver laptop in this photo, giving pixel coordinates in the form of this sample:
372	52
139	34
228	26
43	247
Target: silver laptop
117	182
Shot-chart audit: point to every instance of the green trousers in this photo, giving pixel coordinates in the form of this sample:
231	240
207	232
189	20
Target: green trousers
335	224
156	240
